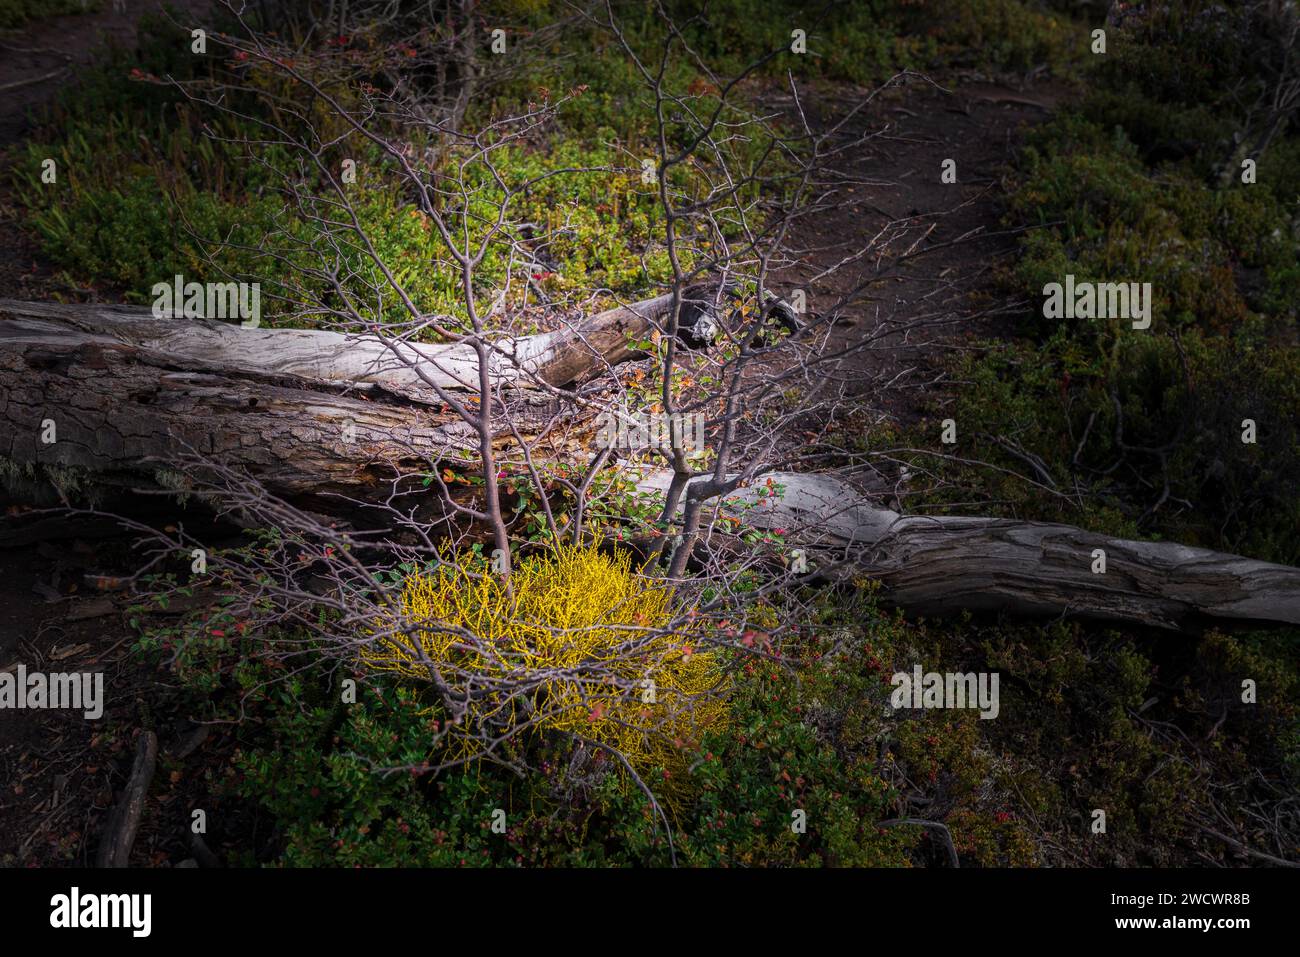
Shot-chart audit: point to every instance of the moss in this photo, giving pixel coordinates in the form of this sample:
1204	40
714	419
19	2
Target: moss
14	474
51	483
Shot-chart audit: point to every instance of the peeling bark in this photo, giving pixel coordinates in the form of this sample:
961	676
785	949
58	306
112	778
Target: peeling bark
302	411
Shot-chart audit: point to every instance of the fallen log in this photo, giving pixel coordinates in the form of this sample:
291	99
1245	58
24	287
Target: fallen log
939	565
127	395
302	411
118	397
406	368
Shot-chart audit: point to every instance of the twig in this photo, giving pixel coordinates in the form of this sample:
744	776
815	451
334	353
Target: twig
33	79
119	833
1280	862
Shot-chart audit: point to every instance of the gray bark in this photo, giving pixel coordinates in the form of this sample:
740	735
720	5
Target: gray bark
938	565
404	368
127	392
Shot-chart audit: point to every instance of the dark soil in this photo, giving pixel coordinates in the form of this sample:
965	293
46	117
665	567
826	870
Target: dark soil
929	284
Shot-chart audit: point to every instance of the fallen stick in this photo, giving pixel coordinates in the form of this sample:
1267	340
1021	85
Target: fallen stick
119	832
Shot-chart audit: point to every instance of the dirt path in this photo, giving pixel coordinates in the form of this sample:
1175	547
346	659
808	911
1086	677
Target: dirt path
42	57
60	774
922	256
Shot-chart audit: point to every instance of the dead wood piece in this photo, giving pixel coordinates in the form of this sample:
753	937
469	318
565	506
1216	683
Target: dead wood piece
119	833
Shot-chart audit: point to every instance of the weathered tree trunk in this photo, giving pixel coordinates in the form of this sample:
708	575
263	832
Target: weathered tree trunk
943	564
302	411
315	412
404	368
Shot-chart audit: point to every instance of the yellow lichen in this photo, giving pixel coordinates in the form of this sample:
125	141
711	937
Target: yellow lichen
579	643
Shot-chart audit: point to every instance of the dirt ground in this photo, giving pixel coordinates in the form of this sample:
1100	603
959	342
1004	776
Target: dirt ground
60	774
934	286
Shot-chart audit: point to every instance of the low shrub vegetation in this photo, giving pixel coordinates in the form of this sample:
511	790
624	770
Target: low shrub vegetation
1140	432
